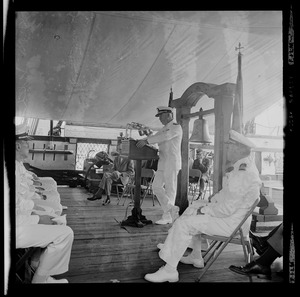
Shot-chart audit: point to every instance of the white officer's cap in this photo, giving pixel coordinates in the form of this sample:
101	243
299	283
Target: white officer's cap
239	138
22	132
163	109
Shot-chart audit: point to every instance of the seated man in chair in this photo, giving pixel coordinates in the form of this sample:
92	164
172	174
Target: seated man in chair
201	164
41	197
38	225
122	170
42	183
241	185
269	248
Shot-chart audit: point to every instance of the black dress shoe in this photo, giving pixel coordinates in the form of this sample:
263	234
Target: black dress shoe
253	269
93	198
199	196
107	201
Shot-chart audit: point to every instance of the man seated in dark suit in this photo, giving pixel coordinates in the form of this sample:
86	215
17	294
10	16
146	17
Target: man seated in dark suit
260	243
121	172
270	248
201	164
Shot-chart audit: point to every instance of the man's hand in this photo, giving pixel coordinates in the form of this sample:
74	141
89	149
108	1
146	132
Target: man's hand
115	175
46	220
40	188
36	207
43	196
34	176
36	183
141	143
199	211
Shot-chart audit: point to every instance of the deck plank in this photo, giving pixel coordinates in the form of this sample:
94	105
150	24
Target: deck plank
103	252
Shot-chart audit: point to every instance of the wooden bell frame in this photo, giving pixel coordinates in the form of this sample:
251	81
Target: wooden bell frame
223	96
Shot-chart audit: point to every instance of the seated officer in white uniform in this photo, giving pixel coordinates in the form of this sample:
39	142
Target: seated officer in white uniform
40	196
47	200
169	147
47	183
40	230
45	186
241	186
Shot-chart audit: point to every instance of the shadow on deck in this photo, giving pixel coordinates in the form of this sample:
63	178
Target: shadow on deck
103	252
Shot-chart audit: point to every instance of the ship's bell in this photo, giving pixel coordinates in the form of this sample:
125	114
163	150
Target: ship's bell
200	131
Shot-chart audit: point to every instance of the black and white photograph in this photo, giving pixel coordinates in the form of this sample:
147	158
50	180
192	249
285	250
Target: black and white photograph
151	146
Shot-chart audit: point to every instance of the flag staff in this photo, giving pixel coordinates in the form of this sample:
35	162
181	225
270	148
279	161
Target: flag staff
237	115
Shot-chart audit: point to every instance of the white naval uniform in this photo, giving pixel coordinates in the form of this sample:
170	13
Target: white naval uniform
165	180
56	239
48	183
221	216
25	187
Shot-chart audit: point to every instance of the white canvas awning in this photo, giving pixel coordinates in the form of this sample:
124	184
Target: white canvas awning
110	68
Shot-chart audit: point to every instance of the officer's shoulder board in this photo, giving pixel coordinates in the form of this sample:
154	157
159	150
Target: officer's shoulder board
243	166
229	169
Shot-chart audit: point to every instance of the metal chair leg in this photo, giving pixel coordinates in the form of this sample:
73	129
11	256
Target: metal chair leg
215	253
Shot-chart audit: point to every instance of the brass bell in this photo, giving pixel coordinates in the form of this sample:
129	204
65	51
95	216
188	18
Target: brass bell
200	131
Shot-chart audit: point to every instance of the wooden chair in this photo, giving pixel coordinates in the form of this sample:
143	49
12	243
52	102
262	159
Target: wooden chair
194	185
220	242
119	188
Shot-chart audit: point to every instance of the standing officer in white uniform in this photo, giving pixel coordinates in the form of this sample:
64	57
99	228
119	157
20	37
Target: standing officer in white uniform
33	230
241	187
165	181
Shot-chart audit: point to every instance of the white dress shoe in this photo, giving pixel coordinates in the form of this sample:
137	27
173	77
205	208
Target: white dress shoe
51	280
161	276
164	221
198	263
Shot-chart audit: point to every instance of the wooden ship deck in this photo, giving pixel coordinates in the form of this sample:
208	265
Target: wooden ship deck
105	252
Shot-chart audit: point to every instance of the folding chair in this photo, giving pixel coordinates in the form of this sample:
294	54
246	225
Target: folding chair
194	186
220	242
147	186
128	190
